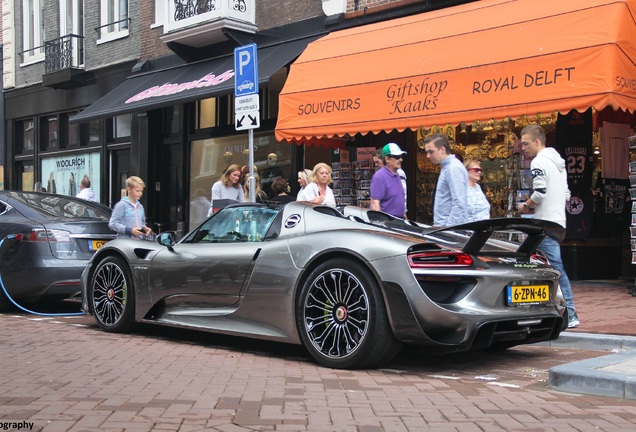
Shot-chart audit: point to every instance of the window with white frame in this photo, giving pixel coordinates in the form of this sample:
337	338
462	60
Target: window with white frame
72	28
159	7
113	20
33	30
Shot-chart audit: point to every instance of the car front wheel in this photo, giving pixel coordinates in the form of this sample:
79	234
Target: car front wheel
342	319
112	295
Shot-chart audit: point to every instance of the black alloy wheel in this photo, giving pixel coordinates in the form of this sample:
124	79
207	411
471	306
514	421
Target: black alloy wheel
342	319
112	295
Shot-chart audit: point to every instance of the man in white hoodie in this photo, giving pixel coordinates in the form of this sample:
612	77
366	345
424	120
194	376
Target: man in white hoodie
86	192
548	200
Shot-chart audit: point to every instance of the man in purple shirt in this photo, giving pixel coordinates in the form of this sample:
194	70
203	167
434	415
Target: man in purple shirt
387	193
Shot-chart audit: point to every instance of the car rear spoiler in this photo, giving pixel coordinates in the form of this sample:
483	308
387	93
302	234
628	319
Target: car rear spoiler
480	232
474	235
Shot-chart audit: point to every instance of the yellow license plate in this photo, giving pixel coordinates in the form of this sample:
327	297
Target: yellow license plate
96	244
528	294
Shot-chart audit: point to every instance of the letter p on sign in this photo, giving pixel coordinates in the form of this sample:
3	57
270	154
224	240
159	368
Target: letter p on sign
246	70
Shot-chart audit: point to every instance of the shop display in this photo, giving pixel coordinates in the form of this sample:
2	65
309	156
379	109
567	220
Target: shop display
352	179
492	144
632	195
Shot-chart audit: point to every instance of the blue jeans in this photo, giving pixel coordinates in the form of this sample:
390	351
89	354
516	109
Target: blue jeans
552	250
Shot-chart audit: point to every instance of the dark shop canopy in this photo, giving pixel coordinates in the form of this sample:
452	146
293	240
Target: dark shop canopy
477	61
201	80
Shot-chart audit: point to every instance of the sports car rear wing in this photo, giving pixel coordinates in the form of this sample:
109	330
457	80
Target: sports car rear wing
480	232
473	236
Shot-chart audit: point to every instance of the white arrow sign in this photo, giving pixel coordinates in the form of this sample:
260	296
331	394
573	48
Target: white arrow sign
247	120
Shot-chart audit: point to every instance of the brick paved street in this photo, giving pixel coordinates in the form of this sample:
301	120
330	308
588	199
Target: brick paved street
67	375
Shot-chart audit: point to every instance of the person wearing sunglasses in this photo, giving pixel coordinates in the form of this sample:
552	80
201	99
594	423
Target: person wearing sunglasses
478	207
387	192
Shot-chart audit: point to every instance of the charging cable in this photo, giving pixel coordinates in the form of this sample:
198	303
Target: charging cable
4	290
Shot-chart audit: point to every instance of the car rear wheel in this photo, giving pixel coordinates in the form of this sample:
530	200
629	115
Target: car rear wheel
112	295
342	319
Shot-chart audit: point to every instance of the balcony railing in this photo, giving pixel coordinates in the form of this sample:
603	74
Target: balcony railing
188	8
32	54
187	13
63	53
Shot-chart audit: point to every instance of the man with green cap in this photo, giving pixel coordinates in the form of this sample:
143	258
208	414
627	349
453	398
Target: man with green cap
387	193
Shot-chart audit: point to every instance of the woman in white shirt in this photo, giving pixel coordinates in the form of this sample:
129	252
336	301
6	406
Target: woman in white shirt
227	187
477	203
304	178
318	191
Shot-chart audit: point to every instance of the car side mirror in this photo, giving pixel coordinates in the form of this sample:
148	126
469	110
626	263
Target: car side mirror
167	238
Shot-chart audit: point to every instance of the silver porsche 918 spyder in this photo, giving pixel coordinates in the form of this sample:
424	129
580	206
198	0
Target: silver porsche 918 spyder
351	285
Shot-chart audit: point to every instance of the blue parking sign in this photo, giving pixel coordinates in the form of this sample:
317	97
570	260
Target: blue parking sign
245	70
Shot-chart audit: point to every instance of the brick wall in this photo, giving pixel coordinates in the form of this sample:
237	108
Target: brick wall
275	13
375	6
95	56
113	52
151	45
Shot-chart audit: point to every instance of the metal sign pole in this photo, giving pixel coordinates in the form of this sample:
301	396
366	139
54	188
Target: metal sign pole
251	159
247	101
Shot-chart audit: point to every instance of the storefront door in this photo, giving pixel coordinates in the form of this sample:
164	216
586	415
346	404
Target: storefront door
170	194
119	172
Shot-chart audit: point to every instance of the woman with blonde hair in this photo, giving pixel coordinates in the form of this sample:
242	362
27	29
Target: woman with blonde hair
245	173
478	207
228	187
304	178
318	191
259	194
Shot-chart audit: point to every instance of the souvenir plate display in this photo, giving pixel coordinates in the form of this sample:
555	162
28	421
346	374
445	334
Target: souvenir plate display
632	196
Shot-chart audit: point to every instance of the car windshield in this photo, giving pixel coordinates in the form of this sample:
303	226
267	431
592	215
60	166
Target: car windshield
235	224
62	206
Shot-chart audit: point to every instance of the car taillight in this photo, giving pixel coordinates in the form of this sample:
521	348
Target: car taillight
440	259
46	235
60	242
537	258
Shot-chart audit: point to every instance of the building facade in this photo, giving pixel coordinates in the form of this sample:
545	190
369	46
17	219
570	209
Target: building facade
112	88
60	57
66	62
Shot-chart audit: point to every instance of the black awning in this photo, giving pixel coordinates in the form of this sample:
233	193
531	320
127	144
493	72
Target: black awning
187	83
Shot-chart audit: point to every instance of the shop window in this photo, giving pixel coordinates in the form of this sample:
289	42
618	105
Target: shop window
93	129
215	113
24	136
25	176
63	173
87	134
119	127
49	133
69	133
113	20
210	157
206	113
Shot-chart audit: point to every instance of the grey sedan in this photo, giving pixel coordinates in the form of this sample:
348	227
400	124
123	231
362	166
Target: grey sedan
46	241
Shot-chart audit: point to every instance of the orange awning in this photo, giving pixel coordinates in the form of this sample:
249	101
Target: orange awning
482	60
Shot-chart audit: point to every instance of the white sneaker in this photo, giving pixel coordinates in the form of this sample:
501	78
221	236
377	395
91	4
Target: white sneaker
574	322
